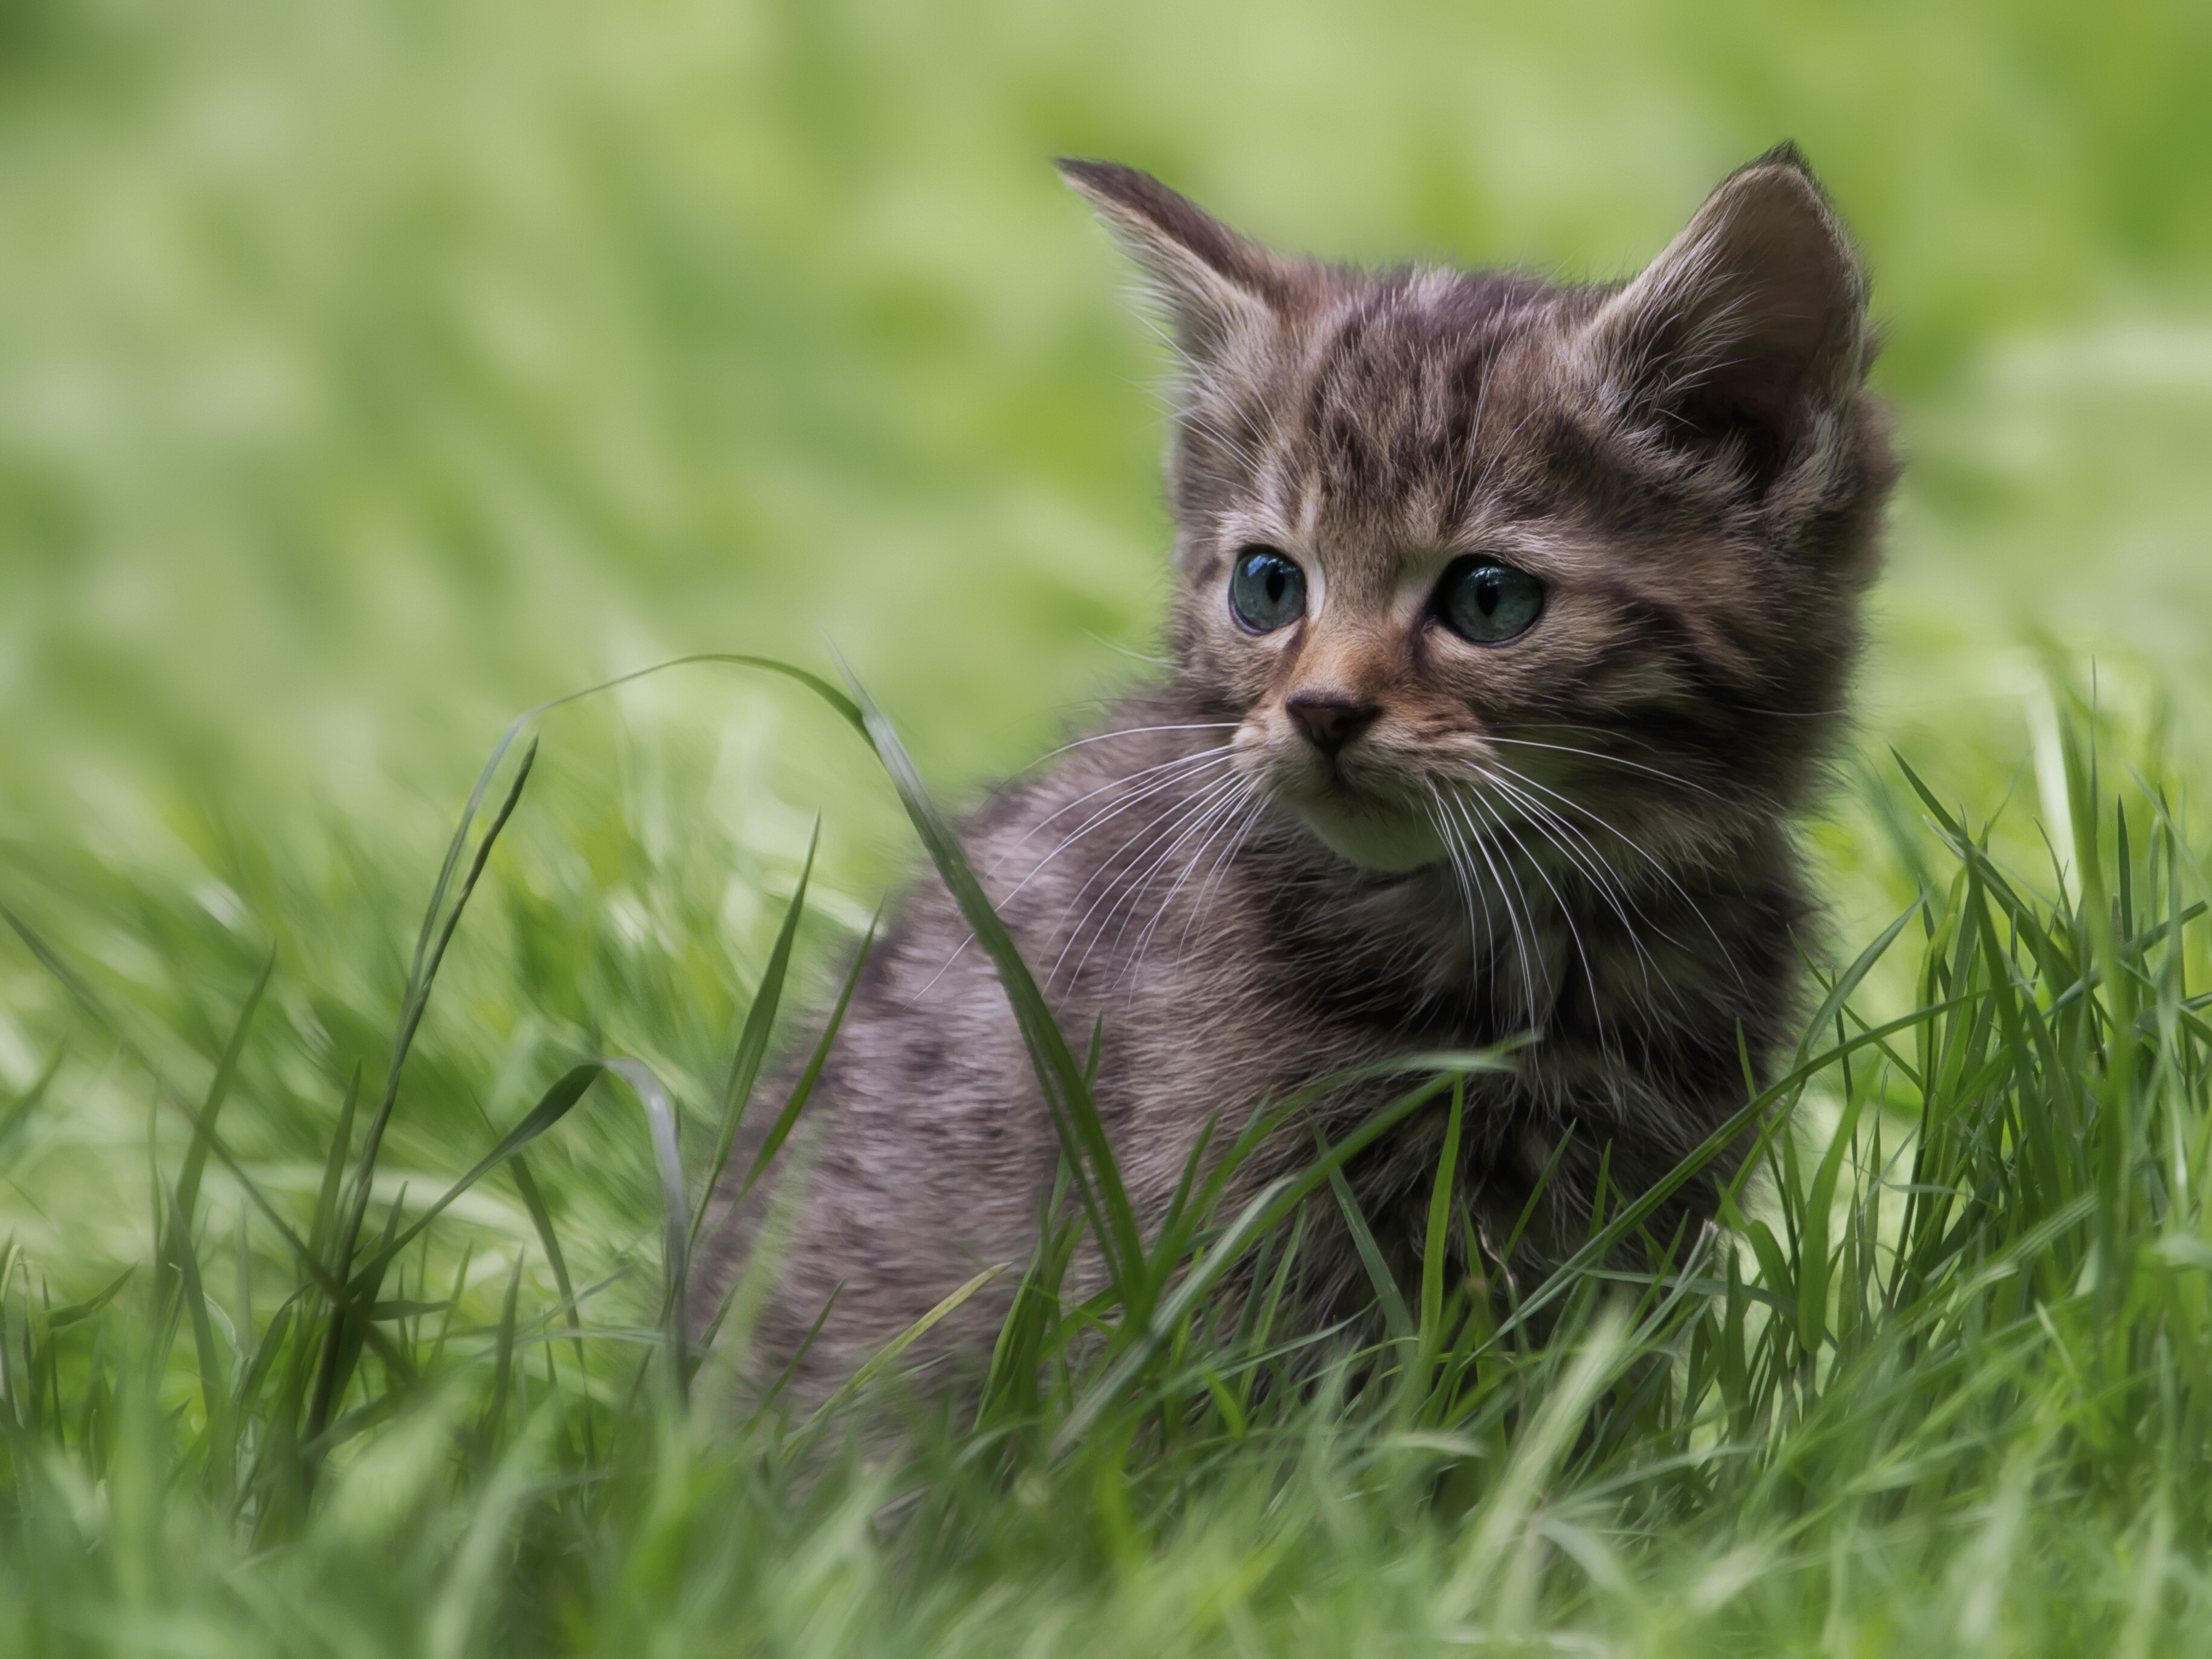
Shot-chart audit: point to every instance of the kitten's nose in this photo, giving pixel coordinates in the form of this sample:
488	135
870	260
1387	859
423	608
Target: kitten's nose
1330	720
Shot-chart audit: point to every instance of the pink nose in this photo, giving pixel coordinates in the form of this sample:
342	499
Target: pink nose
1330	720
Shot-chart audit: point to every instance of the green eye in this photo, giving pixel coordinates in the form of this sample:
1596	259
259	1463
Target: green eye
1266	590
1488	602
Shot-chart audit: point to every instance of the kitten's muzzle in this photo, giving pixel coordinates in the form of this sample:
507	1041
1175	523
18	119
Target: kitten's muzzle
1328	720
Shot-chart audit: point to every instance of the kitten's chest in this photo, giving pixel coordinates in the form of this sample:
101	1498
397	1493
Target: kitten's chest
1412	959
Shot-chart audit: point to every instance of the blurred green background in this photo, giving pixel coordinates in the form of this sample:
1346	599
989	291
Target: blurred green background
371	371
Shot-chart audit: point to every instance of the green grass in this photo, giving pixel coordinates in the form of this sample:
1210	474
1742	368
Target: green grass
1943	1383
369	371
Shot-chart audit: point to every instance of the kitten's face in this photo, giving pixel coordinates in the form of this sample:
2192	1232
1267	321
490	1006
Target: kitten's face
1470	557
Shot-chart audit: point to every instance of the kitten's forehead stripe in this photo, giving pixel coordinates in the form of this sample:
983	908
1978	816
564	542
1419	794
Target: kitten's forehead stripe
1398	389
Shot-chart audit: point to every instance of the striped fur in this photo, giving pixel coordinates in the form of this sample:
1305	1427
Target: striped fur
1583	833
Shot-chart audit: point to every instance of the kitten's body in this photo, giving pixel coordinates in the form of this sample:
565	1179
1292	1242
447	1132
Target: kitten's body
1360	834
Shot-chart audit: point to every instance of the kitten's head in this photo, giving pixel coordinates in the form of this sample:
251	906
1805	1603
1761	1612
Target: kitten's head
1461	550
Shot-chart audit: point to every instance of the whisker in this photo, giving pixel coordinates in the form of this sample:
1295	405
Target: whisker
1463	878
1194	762
1497	885
1616	760
1255	808
1193	766
1637	848
1231	815
1122	898
1610	887
1558	726
1156	835
1534	963
1590	862
1567	915
1525	943
1129	732
1219	813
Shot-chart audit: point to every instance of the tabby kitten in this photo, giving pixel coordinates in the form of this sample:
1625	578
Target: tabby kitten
1511	624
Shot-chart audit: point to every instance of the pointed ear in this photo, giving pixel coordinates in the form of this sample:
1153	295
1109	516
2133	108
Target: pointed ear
1213	284
1748	333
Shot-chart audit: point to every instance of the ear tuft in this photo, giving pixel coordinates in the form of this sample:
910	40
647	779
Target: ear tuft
1214	284
1786	155
1748	329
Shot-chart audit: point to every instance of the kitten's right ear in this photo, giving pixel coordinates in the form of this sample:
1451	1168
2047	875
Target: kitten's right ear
1749	331
1214	284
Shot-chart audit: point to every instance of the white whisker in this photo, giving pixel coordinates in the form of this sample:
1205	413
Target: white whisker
1181	770
1564	835
1227	817
1567	915
1599	755
1156	835
1464	880
1255	808
1221	809
1498	885
1051	755
1637	848
1192	763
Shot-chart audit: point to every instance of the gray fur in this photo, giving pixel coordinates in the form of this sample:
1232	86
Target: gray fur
1583	833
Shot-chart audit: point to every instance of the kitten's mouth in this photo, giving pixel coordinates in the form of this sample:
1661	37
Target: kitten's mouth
1369	830
1363	809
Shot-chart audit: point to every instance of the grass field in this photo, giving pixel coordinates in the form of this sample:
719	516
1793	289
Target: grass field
371	373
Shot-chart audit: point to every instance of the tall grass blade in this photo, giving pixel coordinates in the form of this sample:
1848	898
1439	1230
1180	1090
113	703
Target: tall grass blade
215	1396
549	1240
17	1112
890	1353
660	1120
803	1089
1436	1240
226	1072
552	1107
421	980
1266	1211
753	1039
1067	1099
1395	1317
346	1329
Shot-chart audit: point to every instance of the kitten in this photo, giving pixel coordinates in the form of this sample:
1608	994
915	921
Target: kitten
1511	623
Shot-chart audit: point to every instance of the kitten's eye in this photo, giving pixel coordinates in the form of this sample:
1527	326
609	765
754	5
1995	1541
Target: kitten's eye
1266	590
1488	602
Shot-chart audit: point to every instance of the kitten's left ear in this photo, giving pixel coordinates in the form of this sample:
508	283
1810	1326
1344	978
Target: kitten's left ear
1747	335
1214	284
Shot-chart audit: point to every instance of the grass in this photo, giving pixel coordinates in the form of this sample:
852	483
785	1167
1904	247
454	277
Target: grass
371	370
1942	1383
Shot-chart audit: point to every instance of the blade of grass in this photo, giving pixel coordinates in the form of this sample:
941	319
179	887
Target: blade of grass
340	1331
1269	1209
753	1039
1397	1319
226	1072
17	1112
660	1120
550	1241
1439	1229
887	1355
223	1446
61	1318
552	1107
1061	1078
787	1119
493	1424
